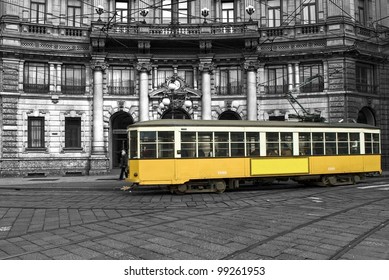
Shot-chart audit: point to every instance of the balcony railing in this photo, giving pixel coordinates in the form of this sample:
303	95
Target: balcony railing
113	90
276	89
362	87
229	90
68	31
73	89
185	29
312	88
36	88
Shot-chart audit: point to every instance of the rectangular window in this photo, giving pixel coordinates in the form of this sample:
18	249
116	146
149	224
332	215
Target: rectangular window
121	81
361	12
309	13
122	11
38	11
274	13
222	140
166	11
365	78
163	74
73	79
228	13
279	144
153	143
187	75
73	133
74	13
277	79
133	144
252	143
372	143
311	77
36	132
165	144
305	143
237	144
36	77
205	144
183	12
229	81
188	144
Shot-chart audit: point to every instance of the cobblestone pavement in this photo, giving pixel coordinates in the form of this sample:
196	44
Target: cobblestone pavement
91	218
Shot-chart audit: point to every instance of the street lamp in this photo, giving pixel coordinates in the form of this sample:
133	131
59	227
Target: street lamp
205	13
99	11
173	98
250	10
144	13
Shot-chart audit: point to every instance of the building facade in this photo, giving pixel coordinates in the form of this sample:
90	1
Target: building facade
74	74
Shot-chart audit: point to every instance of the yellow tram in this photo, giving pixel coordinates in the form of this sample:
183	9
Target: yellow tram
210	156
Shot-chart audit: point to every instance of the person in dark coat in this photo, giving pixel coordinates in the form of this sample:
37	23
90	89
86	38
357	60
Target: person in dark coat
123	165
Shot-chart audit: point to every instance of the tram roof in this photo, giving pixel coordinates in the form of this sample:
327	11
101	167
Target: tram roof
245	123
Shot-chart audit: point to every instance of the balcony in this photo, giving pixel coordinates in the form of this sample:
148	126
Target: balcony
190	31
75	90
281	89
36	88
113	90
229	90
312	88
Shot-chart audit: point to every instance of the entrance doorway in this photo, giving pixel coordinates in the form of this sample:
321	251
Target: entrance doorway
176	113
119	123
229	115
366	115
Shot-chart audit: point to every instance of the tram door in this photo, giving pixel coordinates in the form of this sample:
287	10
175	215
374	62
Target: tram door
119	123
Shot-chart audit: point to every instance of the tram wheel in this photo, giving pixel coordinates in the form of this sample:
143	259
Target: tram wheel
219	186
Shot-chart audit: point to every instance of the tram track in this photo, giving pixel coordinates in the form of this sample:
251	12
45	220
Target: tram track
212	212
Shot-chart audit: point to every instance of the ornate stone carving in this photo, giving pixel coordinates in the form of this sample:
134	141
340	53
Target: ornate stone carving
144	66
206	66
99	65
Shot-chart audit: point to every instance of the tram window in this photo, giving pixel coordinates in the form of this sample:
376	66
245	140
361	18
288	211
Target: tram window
148	150
368	143
252	143
330	139
286	143
188	144
165	144
376	143
237	144
305	143
317	143
148	145
221	144
354	143
272	144
133	144
343	144
205	144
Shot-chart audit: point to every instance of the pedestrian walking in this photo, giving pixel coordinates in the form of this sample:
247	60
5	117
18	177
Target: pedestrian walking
123	165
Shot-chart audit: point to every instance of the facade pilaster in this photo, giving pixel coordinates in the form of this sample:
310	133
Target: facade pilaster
144	67
98	66
251	65
206	67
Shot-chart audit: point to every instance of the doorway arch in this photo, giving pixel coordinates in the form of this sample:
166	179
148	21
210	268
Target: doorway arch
229	115
176	113
366	115
119	122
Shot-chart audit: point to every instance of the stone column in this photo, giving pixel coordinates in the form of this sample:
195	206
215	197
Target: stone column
290	76
98	161
59	77
297	76
144	67
251	65
206	67
98	147
52	78
195	77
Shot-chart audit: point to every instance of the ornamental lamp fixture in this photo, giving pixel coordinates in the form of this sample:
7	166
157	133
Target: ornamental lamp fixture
205	13
99	11
144	13
250	10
